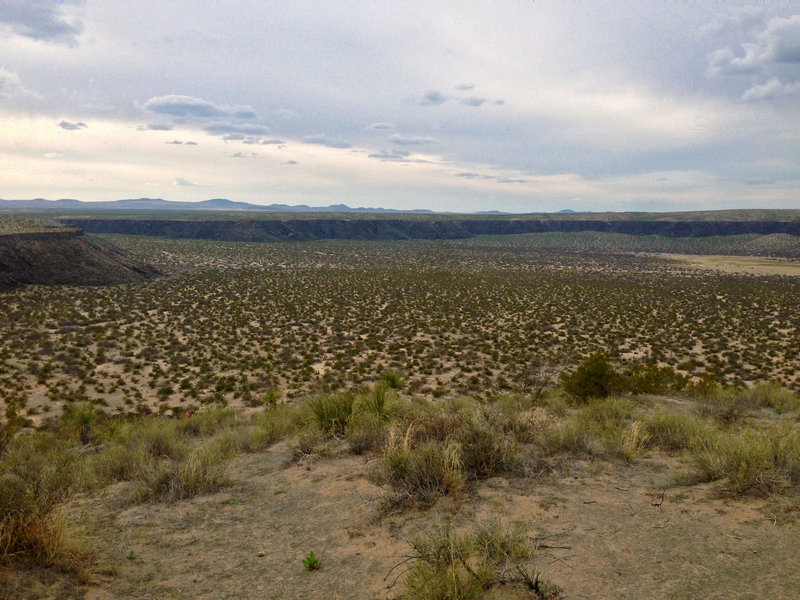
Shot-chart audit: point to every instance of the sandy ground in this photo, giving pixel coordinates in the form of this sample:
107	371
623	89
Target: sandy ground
750	265
603	530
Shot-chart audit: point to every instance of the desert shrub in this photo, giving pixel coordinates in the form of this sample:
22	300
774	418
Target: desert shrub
380	400
601	428
649	378
208	421
37	474
130	449
672	431
307	440
421	474
595	377
726	405
330	413
750	460
486	447
772	395
366	431
632	441
274	425
572	438
393	379
606	416
159	437
82	418
8	430
438	421
120	462
452	566
706	386
203	471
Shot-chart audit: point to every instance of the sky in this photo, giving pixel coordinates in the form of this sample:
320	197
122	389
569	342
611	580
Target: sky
451	106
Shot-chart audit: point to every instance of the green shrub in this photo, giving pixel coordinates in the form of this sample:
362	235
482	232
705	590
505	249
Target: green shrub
331	413
772	395
366	431
421	474
595	377
203	471
649	378
486	448
307	441
452	566
82	418
38	474
207	422
393	379
673	431
750	460
274	425
380	401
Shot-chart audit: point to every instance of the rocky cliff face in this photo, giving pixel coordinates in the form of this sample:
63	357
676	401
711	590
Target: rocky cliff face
396	229
64	257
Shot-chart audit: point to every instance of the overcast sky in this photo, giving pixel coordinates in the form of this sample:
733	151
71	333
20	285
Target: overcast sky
456	106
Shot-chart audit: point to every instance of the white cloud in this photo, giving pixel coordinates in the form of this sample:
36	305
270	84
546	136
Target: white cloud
765	91
187	107
43	20
324	140
406	140
11	86
774	50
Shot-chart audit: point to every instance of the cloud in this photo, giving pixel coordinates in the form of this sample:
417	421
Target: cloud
780	42
238	155
777	44
11	86
390	155
474	101
379	126
176	142
54	155
465	87
405	140
181	182
499	102
284	113
271	141
324	140
72	126
227	128
187	107
290	162
763	92
42	21
154	127
191	143
433	98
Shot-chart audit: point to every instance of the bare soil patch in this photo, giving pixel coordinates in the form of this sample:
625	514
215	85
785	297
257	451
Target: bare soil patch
750	265
603	530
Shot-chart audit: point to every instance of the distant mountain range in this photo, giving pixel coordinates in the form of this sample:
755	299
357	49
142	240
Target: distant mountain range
157	204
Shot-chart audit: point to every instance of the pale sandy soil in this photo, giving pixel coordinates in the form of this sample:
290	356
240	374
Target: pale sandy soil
599	534
750	265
